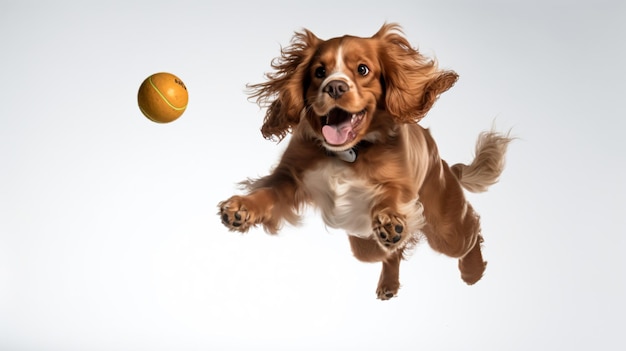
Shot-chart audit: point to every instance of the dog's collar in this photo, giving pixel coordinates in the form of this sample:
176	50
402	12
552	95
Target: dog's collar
351	154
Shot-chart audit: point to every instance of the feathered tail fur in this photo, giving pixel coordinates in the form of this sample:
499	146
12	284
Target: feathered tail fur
487	165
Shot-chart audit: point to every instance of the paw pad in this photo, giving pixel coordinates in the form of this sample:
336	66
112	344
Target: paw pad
234	216
389	230
385	293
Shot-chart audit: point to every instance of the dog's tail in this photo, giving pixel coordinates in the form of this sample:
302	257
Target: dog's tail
488	162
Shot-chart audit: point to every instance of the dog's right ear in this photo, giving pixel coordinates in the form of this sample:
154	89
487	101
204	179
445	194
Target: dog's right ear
413	82
283	92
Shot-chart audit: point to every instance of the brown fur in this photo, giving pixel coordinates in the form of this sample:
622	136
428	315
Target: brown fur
398	188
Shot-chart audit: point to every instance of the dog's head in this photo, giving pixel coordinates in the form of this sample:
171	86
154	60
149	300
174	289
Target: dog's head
349	88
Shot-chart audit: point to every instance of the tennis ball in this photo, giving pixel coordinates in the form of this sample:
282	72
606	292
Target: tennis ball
162	97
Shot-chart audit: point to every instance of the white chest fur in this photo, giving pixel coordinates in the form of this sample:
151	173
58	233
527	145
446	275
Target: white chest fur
342	196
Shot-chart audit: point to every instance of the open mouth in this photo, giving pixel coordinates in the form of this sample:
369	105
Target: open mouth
339	126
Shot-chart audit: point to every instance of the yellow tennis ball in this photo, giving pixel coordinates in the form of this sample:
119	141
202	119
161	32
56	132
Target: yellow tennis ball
162	97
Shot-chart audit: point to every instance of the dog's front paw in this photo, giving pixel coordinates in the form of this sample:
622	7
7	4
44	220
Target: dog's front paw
235	214
389	229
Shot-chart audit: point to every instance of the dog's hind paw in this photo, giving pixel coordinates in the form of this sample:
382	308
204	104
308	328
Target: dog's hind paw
385	292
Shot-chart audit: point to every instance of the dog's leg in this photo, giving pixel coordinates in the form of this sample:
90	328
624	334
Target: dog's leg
453	227
369	250
389	281
277	197
472	265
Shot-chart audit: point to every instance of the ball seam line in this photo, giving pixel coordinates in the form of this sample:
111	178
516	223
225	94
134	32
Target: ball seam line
164	98
145	113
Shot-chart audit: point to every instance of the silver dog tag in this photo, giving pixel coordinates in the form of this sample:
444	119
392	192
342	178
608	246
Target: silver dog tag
347	155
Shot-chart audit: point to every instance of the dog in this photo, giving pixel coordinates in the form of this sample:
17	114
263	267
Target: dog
351	106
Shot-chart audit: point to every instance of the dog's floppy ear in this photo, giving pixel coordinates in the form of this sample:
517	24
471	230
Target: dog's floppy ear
412	82
283	92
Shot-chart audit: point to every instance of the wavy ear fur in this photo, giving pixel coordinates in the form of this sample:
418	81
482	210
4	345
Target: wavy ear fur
412	82
283	93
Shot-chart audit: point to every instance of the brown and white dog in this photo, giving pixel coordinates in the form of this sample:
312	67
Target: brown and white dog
356	153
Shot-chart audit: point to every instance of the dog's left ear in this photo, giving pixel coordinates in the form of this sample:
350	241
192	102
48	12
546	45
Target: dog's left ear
283	92
412	82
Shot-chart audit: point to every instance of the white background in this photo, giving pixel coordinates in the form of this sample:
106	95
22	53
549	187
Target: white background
109	234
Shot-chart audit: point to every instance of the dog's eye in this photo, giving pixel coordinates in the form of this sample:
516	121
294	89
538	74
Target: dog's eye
363	70
320	72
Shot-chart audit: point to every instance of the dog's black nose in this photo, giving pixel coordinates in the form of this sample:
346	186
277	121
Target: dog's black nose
336	88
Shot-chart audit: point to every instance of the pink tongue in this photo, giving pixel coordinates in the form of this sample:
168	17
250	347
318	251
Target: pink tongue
337	134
